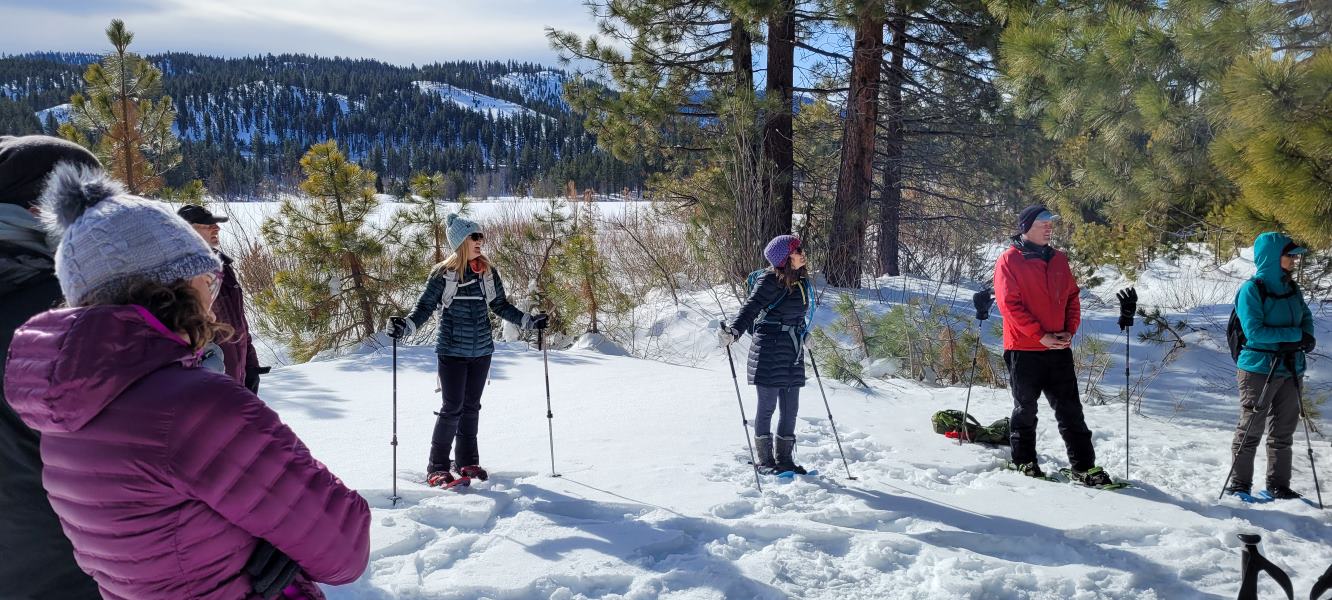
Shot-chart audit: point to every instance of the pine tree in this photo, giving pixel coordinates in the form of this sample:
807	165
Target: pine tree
124	117
587	287
341	282
1128	90
1278	145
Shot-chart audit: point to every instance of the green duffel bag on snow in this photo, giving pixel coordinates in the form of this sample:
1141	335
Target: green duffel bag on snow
949	424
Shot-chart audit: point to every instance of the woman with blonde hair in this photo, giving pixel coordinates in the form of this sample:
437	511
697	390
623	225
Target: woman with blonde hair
464	289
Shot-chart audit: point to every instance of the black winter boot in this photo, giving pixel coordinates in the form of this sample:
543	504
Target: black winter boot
1239	487
785	458
763	445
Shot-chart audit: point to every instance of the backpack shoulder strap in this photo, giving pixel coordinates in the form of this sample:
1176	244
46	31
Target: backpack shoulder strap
450	287
488	285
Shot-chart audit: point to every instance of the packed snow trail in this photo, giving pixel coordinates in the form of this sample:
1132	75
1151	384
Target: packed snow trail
657	501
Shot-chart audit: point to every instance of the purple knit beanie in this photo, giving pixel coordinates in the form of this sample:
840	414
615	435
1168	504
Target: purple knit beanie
779	249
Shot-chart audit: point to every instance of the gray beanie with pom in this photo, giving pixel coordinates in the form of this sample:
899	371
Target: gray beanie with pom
459	229
110	239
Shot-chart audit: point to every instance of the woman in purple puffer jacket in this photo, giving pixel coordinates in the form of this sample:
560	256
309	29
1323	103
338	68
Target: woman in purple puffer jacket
166	477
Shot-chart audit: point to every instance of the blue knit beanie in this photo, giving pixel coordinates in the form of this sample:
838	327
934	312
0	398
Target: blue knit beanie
459	229
779	249
109	239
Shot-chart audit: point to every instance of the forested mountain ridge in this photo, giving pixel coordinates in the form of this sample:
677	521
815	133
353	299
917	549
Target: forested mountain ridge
245	122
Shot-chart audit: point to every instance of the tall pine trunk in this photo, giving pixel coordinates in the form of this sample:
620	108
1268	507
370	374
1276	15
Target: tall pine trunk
778	148
890	206
855	177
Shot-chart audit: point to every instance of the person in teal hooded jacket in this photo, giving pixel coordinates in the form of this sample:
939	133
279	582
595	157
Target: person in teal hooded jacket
1278	326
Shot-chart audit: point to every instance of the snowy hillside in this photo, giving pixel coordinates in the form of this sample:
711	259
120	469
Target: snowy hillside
656	501
61	113
471	100
542	86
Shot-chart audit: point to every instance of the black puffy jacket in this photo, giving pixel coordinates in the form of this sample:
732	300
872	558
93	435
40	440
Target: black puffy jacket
464	327
775	356
36	559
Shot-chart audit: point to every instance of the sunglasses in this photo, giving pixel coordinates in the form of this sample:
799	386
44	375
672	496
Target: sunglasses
477	237
798	250
214	285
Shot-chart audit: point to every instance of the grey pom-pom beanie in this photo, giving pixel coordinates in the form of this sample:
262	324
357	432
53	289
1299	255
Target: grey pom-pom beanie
110	239
459	229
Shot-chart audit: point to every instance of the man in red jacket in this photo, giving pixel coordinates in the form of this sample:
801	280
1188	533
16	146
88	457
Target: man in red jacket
1038	297
242	363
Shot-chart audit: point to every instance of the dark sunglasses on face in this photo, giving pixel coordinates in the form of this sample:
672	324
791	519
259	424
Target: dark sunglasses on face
477	237
798	250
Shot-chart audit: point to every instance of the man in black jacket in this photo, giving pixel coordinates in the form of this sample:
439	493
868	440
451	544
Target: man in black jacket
36	560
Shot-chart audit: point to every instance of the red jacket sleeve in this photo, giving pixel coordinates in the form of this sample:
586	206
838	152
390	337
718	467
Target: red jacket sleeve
229	450
1073	308
1007	293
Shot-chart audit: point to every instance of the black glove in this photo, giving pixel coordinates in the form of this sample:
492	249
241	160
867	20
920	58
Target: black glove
983	300
252	377
397	327
1290	347
539	321
270	570
1308	343
1128	306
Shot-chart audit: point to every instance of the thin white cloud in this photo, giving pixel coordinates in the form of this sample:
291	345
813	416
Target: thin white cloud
400	31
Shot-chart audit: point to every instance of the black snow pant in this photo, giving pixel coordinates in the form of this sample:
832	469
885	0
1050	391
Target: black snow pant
1051	371
462	380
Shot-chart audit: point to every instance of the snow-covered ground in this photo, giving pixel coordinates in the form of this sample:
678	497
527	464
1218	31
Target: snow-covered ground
655	499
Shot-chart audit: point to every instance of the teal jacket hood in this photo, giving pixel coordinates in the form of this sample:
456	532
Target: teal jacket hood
1267	257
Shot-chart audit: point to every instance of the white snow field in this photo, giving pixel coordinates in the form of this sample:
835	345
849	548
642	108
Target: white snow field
655	499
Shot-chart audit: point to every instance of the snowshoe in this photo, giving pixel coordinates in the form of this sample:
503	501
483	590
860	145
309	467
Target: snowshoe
446	480
1094	477
1030	470
473	472
791	474
1248	498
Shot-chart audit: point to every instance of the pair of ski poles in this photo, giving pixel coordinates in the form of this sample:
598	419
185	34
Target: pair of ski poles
550	416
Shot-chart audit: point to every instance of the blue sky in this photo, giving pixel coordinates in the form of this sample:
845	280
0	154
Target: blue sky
398	31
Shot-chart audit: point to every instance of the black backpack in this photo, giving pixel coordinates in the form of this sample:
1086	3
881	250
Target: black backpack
1235	333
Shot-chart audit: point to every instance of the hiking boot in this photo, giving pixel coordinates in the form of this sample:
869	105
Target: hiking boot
1030	469
1281	492
1239	487
1093	477
439	478
763	446
785	456
473	472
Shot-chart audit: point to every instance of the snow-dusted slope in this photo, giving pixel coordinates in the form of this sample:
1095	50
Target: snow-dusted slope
471	100
656	501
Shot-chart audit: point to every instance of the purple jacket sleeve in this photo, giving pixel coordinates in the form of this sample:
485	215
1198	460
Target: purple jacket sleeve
229	450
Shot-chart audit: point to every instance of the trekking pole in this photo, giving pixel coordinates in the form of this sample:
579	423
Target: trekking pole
1304	417
1248	429
744	420
395	498
1253	564
982	300
830	417
550	416
971	379
1128	306
1127	402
